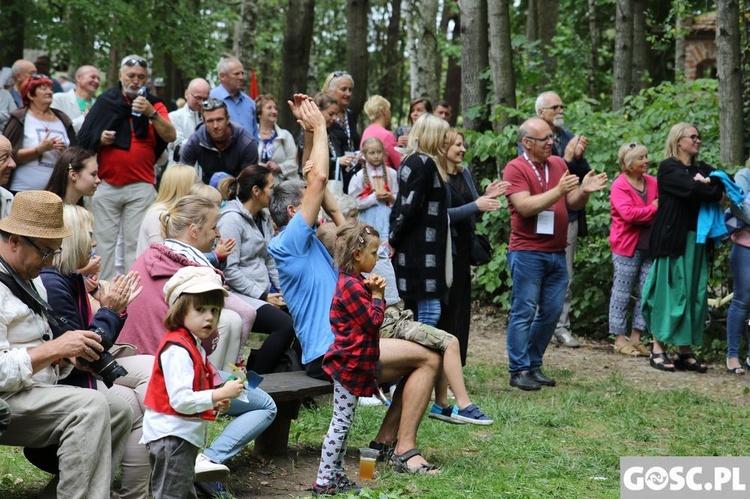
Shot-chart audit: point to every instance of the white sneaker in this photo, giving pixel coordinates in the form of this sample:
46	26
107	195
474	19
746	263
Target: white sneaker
209	471
370	401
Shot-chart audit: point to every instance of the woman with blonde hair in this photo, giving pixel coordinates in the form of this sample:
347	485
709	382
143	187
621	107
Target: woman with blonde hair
276	148
634	201
175	184
66	293
465	206
674	295
419	231
378	111
343	133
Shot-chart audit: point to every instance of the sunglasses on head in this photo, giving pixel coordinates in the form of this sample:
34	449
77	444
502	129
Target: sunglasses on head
336	74
39	77
632	145
211	104
133	61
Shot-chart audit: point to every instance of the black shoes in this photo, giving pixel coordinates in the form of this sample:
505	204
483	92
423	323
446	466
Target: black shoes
530	380
524	381
536	375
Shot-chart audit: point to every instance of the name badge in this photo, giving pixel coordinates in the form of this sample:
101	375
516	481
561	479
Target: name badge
545	223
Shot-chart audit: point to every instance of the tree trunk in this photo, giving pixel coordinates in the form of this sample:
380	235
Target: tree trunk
730	81
421	26
623	62
640	72
501	57
13	22
389	83
245	37
356	51
594	54
452	90
474	58
679	45
547	14
532	33
295	58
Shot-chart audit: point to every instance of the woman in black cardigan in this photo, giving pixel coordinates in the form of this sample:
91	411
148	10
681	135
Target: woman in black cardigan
674	295
419	222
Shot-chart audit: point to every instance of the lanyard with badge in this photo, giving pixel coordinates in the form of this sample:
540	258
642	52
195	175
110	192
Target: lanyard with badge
545	220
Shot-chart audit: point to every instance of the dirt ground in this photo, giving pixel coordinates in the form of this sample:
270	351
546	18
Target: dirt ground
292	476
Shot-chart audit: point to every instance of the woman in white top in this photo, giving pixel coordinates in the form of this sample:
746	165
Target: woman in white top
39	135
276	148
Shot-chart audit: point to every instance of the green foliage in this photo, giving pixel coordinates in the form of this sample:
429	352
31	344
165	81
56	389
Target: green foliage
645	118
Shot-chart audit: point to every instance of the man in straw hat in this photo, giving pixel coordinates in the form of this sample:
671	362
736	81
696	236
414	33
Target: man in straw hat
89	427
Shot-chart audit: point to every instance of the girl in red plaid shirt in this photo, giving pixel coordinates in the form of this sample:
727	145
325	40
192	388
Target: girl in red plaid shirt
357	313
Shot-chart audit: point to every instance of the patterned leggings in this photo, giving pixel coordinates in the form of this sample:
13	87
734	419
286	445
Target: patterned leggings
627	272
334	446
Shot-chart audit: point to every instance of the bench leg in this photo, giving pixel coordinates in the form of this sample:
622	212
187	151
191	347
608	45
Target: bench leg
274	441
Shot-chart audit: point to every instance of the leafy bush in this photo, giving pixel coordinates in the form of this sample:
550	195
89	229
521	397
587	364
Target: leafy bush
645	118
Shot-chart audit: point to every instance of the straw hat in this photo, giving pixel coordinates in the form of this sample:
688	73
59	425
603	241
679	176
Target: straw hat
36	214
193	280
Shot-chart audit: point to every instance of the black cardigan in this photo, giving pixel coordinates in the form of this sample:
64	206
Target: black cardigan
680	198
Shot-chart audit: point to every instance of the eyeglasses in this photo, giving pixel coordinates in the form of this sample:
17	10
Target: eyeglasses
362	239
558	107
133	61
211	104
548	138
336	74
694	138
39	77
197	97
46	255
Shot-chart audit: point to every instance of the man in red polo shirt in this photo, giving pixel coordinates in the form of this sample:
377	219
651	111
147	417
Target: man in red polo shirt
128	131
541	192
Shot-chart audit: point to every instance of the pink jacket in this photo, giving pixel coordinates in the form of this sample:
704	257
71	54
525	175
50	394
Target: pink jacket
145	327
630	214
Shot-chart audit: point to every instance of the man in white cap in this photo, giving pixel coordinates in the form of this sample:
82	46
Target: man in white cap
90	427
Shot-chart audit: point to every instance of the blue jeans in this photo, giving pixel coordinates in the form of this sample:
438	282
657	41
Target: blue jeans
539	283
739	261
251	419
428	311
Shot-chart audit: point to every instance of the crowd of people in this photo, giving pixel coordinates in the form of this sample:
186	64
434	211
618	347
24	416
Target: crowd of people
351	252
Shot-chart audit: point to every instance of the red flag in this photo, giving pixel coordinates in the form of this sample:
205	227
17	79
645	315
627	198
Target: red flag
253	91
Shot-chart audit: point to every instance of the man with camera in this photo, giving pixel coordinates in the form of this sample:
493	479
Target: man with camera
90	427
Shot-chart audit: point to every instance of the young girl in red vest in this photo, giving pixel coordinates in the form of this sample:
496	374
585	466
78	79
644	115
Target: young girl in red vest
181	397
352	359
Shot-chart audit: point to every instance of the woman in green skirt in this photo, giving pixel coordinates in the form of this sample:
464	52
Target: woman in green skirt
674	295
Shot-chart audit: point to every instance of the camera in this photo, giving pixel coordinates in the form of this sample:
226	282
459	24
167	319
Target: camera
106	366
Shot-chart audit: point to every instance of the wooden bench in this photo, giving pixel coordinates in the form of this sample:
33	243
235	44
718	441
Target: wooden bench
287	390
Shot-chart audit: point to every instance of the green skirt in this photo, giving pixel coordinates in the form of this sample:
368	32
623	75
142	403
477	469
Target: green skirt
674	296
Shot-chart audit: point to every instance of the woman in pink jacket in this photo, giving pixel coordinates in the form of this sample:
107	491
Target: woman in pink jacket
634	203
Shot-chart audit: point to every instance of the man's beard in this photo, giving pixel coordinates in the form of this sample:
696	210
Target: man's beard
132	91
559	121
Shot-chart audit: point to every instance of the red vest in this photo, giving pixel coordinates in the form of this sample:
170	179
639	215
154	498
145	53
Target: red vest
157	397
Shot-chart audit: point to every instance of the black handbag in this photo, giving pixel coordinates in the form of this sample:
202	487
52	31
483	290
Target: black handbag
481	250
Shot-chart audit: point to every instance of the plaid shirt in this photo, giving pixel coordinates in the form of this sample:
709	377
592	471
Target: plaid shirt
352	358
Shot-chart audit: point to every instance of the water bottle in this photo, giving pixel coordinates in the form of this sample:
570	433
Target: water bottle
141	93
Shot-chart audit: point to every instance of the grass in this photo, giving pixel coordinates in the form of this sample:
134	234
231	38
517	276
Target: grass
563	442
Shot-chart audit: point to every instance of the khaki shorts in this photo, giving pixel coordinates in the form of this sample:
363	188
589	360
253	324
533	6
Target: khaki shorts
400	324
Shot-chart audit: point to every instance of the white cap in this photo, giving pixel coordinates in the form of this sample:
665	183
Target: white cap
193	280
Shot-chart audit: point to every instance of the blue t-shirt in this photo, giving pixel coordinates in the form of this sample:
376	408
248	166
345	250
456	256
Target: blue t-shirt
308	281
241	111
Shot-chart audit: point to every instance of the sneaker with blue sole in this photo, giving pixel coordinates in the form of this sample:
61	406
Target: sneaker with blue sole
213	490
445	414
473	415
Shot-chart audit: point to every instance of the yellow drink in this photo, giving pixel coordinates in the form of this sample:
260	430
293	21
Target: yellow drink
366	468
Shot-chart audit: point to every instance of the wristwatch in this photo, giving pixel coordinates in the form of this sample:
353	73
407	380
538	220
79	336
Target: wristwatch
154	116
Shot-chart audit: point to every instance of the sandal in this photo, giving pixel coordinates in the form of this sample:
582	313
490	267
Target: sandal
642	349
735	370
664	365
626	349
681	363
400	464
